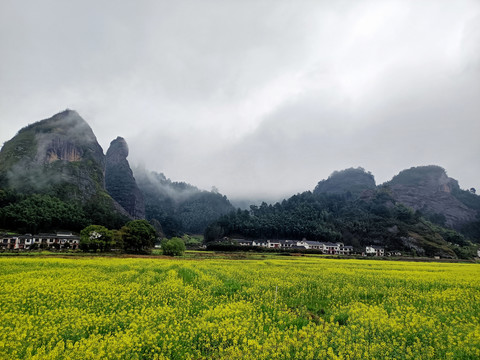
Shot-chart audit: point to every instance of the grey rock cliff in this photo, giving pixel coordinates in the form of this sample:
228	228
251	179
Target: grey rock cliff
430	190
119	180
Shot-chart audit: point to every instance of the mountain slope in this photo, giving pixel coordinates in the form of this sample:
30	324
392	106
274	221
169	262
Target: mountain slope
179	207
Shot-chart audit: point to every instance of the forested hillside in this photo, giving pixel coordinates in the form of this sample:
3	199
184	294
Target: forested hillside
177	206
372	216
33	213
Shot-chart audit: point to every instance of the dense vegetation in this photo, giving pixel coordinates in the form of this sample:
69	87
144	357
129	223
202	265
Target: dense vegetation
97	238
471	200
173	247
269	308
356	221
179	207
137	236
34	213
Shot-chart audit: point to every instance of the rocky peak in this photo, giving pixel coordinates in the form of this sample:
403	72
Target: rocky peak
350	180
119	180
118	149
66	137
432	177
55	154
430	190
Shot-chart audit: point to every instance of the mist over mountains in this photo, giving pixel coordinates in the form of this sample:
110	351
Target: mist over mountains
179	207
60	158
54	175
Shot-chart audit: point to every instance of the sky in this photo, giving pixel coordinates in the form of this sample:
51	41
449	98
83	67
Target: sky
257	98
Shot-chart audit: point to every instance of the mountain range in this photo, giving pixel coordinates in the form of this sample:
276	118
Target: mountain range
54	175
421	211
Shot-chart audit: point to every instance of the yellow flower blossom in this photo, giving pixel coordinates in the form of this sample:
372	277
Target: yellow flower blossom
290	308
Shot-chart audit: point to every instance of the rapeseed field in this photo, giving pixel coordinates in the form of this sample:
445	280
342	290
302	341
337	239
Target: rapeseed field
291	308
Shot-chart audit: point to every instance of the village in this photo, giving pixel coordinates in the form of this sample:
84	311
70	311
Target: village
56	241
328	248
68	241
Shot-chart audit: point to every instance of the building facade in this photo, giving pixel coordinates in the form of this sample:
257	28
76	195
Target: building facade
40	241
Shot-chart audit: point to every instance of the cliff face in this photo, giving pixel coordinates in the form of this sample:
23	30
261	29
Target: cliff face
58	156
430	190
119	180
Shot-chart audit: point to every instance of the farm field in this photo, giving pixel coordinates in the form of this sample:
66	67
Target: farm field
272	308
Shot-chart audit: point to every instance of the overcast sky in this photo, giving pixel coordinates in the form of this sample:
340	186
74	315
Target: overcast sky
254	97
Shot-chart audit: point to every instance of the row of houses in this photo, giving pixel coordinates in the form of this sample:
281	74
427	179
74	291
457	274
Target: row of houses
325	247
69	241
39	241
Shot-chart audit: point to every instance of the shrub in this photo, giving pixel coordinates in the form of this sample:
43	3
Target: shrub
173	247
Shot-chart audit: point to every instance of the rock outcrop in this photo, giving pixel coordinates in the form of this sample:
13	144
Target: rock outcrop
59	156
119	180
429	190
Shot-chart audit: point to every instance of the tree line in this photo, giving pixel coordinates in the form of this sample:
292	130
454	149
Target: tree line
136	236
33	213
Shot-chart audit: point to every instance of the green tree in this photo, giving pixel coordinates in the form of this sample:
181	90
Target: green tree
118	240
39	212
173	247
138	236
96	237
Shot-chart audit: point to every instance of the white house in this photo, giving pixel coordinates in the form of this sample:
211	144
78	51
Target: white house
262	243
373	250
325	247
274	244
345	250
243	242
28	241
287	244
310	245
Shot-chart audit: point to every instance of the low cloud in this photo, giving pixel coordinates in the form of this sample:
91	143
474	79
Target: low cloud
256	98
